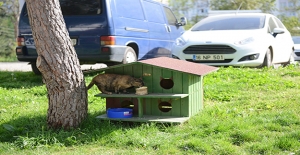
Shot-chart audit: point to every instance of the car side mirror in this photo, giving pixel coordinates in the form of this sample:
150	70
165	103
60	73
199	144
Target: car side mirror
182	22
278	31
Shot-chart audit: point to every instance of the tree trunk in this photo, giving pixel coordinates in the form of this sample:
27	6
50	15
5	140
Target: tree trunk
59	65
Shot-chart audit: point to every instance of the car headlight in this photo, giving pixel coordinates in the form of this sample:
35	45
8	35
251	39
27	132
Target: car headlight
180	42
245	41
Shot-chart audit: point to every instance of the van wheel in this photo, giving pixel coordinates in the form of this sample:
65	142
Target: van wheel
35	70
268	59
129	56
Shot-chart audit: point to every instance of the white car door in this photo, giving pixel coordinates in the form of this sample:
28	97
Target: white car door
276	44
285	41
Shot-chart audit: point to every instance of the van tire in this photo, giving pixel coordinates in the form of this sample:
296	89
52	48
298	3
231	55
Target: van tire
35	70
129	56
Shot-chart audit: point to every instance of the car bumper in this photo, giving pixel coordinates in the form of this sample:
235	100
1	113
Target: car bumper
112	53
230	59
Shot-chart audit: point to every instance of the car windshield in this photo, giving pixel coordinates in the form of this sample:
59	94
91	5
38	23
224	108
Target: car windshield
296	40
234	22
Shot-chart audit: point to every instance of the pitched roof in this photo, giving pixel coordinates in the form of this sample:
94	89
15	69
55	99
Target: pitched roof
180	65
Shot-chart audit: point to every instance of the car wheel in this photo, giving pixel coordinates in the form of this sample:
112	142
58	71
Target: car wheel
129	56
291	60
268	59
35	70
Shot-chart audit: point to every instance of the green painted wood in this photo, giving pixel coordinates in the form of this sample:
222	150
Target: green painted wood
152	95
119	70
176	107
167	74
185	90
147	118
178	84
128	70
157	74
137	71
148	77
154	108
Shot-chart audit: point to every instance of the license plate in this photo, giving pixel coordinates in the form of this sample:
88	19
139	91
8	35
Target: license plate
208	57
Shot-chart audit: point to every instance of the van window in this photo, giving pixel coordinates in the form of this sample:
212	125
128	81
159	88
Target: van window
170	16
81	7
154	12
130	10
77	7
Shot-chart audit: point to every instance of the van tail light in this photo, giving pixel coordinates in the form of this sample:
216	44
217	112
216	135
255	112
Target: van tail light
20	41
107	40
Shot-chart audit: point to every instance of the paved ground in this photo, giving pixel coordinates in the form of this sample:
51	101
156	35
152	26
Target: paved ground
25	67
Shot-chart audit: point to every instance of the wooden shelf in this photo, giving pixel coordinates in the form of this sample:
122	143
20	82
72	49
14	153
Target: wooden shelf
140	105
151	95
148	118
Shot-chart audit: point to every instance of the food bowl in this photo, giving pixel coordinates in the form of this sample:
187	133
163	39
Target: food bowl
119	113
141	91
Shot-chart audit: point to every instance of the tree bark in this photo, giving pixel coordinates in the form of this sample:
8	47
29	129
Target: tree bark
59	65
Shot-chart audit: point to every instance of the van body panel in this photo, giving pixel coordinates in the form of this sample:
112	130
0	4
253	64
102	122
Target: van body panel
140	24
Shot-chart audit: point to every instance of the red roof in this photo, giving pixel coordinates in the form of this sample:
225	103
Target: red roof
180	65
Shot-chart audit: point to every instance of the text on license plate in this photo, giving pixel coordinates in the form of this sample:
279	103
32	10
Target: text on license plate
208	57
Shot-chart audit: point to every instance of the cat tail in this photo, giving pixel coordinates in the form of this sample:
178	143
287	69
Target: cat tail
90	85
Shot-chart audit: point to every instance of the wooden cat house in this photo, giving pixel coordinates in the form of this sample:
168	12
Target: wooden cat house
175	90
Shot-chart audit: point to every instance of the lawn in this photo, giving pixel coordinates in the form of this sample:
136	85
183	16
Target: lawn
246	111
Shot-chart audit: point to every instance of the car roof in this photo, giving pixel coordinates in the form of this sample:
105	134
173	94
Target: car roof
241	14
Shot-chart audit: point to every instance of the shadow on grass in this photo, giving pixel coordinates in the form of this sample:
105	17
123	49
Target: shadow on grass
17	80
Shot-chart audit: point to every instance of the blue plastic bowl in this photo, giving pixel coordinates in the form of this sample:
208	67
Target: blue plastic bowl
119	113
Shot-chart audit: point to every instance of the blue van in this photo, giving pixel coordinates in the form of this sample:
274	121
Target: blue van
110	31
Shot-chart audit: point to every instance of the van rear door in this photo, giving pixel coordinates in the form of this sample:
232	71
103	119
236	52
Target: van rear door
86	21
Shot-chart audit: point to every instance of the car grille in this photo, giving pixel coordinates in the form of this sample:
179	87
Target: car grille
207	61
209	49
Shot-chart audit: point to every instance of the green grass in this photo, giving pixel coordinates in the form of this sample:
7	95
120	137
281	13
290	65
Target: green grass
246	111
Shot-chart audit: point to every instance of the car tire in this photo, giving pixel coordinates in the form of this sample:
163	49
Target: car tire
268	59
129	56
291	59
35	70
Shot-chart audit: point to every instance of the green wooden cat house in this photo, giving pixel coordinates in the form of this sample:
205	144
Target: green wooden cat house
175	90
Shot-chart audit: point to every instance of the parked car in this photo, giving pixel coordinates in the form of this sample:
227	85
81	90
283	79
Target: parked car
296	40
110	31
242	39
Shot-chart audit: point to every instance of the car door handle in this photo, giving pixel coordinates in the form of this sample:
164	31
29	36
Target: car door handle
168	29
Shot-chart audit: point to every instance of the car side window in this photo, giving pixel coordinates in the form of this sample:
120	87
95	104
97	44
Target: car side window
153	12
272	25
170	16
279	23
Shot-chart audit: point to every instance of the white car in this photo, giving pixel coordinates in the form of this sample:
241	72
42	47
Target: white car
242	39
296	40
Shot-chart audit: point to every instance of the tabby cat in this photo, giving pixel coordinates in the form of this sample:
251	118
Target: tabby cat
116	82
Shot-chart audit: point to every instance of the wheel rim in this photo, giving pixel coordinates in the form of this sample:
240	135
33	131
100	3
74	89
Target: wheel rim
130	57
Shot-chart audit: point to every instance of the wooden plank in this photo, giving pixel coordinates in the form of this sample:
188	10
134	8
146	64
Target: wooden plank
152	95
157	74
147	118
167	75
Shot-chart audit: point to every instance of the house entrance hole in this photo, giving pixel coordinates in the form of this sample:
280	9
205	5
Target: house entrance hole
165	106
166	83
